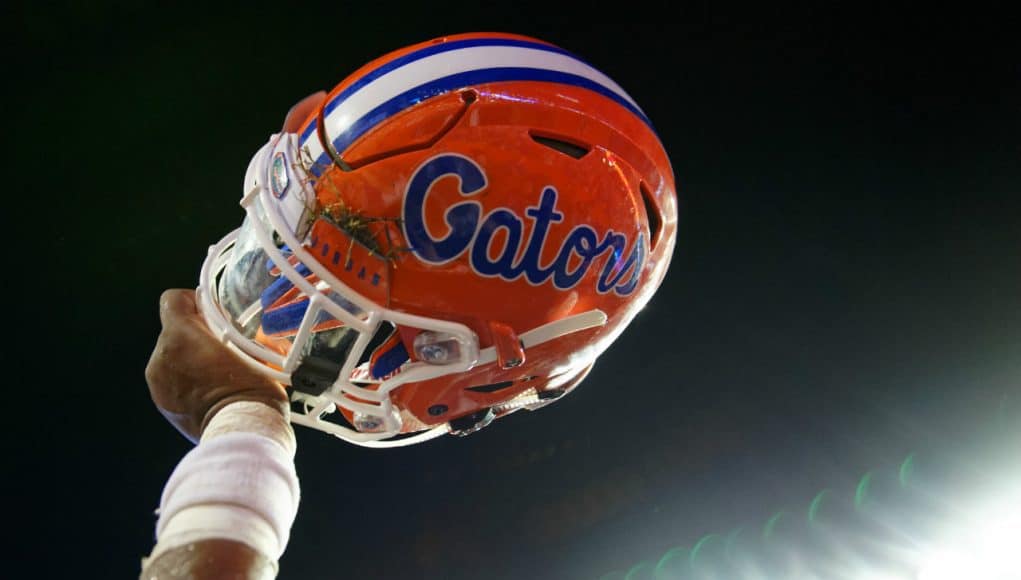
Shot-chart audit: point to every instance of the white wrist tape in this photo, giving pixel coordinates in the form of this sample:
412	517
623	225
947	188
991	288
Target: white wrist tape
239	483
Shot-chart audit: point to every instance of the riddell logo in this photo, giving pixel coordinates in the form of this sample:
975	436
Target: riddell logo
471	231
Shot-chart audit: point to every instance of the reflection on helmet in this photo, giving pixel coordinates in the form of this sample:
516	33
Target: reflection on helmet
457	233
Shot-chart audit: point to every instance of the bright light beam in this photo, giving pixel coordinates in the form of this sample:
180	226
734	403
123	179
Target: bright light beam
990	550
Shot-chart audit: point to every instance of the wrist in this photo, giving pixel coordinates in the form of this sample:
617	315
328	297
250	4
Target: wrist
269	419
277	403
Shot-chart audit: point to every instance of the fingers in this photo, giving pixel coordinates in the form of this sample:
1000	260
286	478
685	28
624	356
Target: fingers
300	111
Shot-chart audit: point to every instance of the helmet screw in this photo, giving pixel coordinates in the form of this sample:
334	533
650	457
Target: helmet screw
437	410
433	353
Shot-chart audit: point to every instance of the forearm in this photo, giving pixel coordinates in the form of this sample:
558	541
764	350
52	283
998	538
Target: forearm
227	509
210	559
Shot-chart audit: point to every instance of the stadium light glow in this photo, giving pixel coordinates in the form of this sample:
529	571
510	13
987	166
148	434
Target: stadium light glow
990	549
889	526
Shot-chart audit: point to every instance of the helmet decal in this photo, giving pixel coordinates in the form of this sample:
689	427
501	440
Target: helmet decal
473	233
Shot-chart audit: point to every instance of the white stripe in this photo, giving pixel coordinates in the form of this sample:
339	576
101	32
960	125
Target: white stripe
452	62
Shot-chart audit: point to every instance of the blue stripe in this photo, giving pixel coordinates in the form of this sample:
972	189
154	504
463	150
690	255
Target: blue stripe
274	291
321	163
389	361
280	286
307	132
436	49
287	319
446	84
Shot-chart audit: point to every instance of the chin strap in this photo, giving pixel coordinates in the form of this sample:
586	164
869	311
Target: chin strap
549	331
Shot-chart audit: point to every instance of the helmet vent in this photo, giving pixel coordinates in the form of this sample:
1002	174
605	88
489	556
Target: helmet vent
651	214
490	388
570	149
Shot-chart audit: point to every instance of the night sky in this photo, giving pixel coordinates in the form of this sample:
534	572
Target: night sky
844	302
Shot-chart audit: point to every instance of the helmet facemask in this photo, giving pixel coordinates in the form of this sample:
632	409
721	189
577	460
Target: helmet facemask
264	292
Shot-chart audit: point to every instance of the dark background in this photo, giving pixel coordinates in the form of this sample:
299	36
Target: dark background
845	292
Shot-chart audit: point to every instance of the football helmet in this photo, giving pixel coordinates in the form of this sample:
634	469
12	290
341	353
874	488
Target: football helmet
456	233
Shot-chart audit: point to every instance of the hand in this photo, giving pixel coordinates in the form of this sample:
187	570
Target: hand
191	375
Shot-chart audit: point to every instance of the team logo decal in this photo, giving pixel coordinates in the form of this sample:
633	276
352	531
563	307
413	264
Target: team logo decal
473	232
279	178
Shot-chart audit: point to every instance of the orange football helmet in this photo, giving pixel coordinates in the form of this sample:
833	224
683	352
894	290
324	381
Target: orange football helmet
456	233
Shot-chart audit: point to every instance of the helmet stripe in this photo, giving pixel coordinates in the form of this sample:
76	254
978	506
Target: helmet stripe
312	152
436	69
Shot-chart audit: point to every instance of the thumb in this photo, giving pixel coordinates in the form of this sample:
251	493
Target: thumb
177	303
